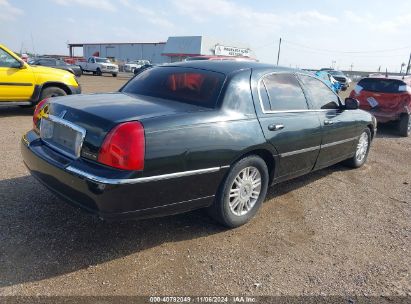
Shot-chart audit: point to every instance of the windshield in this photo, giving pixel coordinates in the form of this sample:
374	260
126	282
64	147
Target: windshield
382	85
103	60
198	87
336	73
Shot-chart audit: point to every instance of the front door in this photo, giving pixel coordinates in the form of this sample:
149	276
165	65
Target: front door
339	127
288	124
16	81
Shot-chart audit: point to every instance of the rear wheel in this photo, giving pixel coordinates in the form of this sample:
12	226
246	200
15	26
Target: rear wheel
404	125
241	193
52	92
98	72
361	151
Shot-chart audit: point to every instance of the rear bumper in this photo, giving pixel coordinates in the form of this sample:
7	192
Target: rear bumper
385	116
76	183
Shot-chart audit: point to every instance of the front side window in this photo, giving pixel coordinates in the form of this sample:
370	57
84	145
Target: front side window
103	60
283	92
47	62
198	87
321	95
8	61
61	63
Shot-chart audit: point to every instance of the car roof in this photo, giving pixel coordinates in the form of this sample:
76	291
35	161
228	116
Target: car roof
228	67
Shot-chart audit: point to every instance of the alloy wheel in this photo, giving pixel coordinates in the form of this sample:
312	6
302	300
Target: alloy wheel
245	191
362	147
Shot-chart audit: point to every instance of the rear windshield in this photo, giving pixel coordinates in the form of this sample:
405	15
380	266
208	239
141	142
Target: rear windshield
197	87
382	85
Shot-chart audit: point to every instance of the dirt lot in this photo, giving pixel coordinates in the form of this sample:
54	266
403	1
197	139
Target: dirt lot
333	232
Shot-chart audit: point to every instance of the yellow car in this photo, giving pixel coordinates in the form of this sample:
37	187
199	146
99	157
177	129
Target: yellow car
25	85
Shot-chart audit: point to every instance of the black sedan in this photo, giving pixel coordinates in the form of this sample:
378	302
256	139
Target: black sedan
198	134
58	64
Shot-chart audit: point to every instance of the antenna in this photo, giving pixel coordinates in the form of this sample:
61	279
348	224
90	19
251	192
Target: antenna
408	66
32	43
279	51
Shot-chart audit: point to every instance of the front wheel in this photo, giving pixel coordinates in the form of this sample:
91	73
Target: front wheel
361	150
98	72
241	193
114	74
404	125
52	92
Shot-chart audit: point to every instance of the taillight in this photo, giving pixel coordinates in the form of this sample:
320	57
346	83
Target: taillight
124	147
38	112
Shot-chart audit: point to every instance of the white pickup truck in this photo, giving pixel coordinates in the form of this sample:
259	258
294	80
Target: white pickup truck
98	66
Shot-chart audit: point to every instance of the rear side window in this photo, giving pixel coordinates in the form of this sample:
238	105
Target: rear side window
321	95
283	92
382	85
198	87
47	62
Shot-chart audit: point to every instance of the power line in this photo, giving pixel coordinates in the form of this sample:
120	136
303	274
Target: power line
346	52
292	47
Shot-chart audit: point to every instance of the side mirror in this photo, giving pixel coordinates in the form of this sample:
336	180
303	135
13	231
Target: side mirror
352	104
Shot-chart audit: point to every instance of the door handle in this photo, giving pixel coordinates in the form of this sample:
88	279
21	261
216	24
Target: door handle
274	127
328	122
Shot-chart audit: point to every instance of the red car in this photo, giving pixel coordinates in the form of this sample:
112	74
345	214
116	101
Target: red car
387	98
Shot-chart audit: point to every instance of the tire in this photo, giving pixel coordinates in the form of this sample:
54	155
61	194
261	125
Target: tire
52	92
404	125
114	74
98	72
224	209
361	151
82	71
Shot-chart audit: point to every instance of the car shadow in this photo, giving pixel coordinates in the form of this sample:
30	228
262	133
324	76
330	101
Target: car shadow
6	110
43	237
387	130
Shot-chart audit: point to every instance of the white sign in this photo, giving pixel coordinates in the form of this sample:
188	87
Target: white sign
372	101
221	50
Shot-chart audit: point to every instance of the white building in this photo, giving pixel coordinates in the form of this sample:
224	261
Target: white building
175	49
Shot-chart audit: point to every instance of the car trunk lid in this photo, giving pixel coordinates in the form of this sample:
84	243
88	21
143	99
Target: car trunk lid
99	113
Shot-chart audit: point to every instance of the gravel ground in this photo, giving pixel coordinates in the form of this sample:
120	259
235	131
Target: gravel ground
334	232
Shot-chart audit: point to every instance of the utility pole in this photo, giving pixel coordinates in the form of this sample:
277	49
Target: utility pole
408	66
279	51
351	66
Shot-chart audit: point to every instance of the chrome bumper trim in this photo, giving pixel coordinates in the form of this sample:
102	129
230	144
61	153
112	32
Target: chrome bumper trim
103	180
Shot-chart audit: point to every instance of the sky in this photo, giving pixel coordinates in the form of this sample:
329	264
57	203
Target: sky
362	35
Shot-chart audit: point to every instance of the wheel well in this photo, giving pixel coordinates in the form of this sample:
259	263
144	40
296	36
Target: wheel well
58	85
371	127
268	159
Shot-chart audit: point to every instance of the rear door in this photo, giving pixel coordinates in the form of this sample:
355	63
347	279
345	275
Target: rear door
16	83
288	124
339	127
